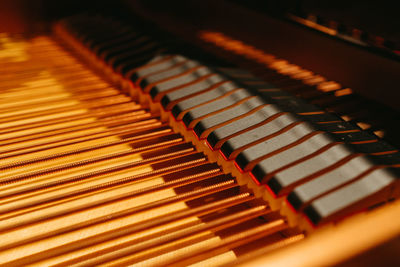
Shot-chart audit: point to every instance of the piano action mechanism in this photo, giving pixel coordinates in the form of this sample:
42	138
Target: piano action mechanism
124	144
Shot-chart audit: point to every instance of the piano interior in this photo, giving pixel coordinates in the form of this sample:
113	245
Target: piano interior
204	133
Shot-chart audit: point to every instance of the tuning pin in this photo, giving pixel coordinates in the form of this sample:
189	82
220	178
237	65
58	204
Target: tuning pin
356	33
379	41
333	24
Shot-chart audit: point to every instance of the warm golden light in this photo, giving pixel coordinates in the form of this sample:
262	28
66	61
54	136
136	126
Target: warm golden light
271	62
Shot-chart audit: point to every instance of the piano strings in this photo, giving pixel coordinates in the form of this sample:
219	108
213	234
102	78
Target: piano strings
88	176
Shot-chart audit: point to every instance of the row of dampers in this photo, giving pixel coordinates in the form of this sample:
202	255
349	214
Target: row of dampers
352	107
328	167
